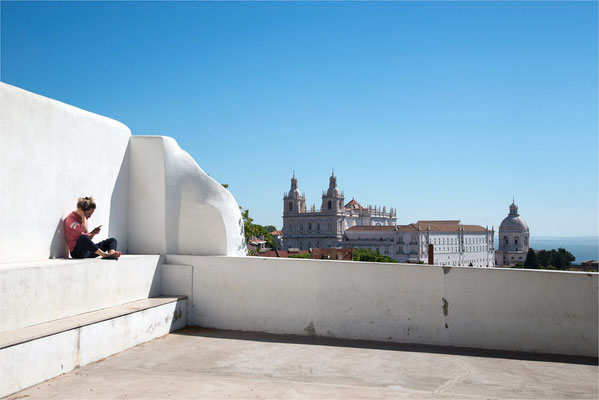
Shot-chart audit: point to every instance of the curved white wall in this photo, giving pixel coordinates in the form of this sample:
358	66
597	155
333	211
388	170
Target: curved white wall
175	207
151	195
51	154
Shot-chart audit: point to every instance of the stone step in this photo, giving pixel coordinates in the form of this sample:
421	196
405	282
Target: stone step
47	290
54	348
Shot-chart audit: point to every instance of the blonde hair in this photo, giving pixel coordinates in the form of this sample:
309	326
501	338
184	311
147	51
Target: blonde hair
86	203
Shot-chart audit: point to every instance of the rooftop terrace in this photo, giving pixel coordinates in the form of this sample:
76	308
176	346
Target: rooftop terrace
202	363
100	329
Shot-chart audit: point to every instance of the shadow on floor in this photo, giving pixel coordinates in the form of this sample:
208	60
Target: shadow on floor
370	344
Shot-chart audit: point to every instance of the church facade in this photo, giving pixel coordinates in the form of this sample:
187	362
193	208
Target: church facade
308	228
513	239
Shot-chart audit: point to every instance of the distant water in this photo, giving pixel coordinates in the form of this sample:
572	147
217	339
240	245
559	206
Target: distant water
582	247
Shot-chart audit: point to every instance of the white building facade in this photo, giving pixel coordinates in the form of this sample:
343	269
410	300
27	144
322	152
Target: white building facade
447	243
514	239
304	229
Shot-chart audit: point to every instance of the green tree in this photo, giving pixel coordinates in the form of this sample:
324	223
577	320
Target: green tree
306	255
564	259
270	228
369	255
554	259
254	230
531	260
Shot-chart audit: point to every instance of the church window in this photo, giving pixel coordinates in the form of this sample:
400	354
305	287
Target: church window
329	204
505	239
516	240
318	227
290	206
309	226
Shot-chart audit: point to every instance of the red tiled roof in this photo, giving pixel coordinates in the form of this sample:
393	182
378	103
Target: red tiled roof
410	227
281	253
354	205
276	233
446	226
442	225
474	228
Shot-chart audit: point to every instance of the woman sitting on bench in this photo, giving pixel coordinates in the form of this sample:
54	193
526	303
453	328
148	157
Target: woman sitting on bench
79	239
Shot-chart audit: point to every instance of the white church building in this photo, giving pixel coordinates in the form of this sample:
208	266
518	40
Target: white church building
307	228
446	243
514	239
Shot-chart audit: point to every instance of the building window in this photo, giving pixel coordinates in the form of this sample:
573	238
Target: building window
505	239
309	226
516	240
318	227
290	206
329	204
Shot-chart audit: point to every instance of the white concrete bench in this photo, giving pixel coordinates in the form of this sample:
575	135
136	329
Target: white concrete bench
53	348
46	290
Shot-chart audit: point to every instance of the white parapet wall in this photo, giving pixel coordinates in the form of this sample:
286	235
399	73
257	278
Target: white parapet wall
547	312
51	154
40	291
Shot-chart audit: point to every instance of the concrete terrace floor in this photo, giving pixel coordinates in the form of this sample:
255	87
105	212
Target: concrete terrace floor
202	363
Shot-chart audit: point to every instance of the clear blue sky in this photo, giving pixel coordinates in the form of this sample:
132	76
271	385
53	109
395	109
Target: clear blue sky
443	110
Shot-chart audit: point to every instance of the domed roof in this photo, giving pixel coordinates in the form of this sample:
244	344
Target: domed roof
333	190
294	192
513	222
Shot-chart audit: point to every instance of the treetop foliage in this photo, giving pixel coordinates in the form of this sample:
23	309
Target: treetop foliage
549	259
369	255
254	230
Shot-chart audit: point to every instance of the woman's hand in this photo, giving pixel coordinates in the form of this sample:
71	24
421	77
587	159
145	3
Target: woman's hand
96	230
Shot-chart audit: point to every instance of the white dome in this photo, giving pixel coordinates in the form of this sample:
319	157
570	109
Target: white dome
295	193
513	223
333	192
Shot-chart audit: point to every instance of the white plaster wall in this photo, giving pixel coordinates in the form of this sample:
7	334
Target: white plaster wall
519	310
176	207
36	292
147	196
51	154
